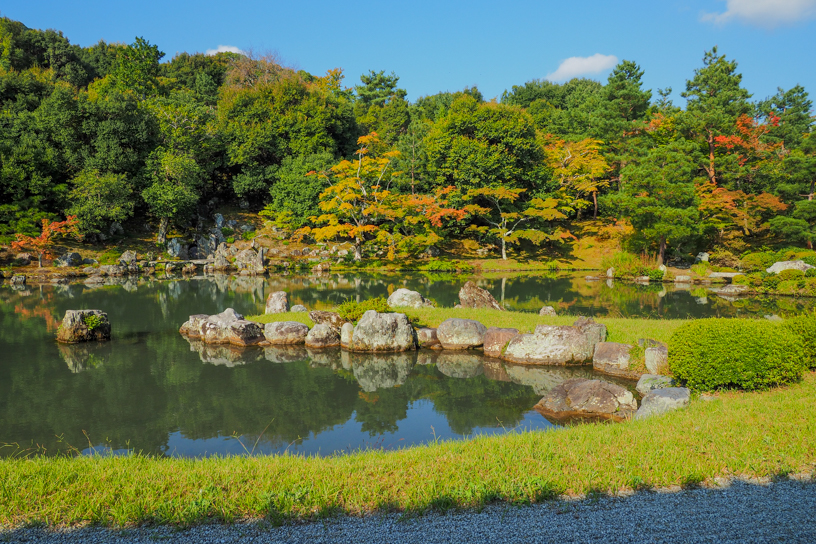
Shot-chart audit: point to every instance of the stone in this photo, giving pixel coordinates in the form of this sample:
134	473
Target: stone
550	345
188	269
84	326
610	272
69	259
215	329
701	257
23	259
89	261
116	229
383	332
682	279
431	251
128	257
113	270
471	296
595	332
657	359
342	253
221	263
192	327
285	332
332	319
660	401
725	275
612	358
176	249
219	220
547	310
321	268
456	333
405	298
778	267
346	335
731	290
596	399
244	333
250	261
427	338
298	308
18	279
649	343
496	339
322	336
277	303
649	382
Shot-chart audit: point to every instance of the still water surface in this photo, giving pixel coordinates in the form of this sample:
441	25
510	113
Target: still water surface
151	390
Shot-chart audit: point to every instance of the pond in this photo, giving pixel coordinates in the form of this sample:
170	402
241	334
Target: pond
153	391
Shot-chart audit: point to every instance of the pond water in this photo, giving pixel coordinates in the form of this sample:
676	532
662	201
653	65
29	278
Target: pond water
151	390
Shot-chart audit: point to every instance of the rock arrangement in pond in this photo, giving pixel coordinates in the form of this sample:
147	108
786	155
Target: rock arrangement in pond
460	348
84	326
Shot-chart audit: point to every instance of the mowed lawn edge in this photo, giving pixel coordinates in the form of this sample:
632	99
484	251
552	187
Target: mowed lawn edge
757	434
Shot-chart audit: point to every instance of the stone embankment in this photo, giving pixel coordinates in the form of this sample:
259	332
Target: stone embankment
460	348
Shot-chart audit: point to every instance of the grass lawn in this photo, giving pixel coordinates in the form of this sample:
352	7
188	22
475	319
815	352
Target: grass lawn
747	434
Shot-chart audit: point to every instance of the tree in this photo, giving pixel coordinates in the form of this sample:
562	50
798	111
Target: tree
505	217
173	189
356	201
792	111
715	101
800	226
137	68
659	196
578	167
99	199
44	243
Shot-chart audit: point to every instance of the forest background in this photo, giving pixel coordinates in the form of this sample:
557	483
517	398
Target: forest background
109	135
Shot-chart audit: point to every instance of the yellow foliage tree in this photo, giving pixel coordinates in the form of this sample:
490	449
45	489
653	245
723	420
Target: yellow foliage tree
578	166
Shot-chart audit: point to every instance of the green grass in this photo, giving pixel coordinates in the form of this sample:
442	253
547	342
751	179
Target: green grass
624	330
745	434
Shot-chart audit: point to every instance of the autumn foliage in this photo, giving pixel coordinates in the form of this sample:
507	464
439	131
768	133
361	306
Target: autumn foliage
44	243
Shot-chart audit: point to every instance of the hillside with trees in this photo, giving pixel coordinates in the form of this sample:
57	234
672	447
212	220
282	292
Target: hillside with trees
109	134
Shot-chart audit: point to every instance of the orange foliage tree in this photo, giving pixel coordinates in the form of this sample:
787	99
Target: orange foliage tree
44	243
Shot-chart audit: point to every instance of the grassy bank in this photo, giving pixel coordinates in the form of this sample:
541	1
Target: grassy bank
745	434
620	329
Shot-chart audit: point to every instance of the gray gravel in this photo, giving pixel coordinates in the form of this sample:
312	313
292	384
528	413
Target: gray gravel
742	512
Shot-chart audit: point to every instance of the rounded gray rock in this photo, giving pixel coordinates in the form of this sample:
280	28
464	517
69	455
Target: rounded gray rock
456	333
285	332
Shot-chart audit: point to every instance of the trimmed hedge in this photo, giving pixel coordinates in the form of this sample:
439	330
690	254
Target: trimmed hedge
804	326
743	353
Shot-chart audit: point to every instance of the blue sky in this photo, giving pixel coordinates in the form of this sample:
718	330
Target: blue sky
444	46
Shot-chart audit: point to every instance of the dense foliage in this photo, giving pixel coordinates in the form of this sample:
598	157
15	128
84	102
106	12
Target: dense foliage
748	354
109	133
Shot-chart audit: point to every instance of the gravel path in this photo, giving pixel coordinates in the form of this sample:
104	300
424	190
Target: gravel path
740	512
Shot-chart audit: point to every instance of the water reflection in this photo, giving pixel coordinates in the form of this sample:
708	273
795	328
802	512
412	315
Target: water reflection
151	390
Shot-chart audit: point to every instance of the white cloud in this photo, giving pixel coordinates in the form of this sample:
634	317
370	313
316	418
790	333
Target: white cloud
579	66
224	49
766	13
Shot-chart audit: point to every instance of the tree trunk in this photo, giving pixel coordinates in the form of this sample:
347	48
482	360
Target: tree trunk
358	250
711	173
161	237
662	250
504	282
40	259
595	200
504	249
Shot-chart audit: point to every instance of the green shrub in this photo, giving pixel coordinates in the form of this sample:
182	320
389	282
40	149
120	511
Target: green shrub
755	262
804	326
248	235
352	310
92	321
790	287
769	281
437	265
226	231
655	274
786	275
627	265
230	240
701	268
747	279
723	353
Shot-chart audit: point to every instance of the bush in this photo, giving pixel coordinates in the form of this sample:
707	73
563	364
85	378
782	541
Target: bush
747	279
701	268
655	274
438	265
748	354
769	281
756	262
352	310
786	275
804	327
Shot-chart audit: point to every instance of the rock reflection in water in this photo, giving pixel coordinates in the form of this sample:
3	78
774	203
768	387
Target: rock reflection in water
81	357
224	354
325	358
380	370
285	354
460	364
542	380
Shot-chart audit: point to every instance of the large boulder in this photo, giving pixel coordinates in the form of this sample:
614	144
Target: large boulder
332	319
192	327
285	332
176	249
277	303
23	259
128	257
595	399
18	279
650	382
660	401
496	339
405	298
244	333
471	296
299	308
346	335
216	328
69	259
383	332
778	267
427	338
613	358
547	310
322	336
550	345
251	261
84	326
595	332
455	333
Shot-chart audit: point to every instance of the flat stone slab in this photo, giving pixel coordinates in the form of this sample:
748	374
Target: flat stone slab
725	275
660	401
650	382
588	398
550	345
